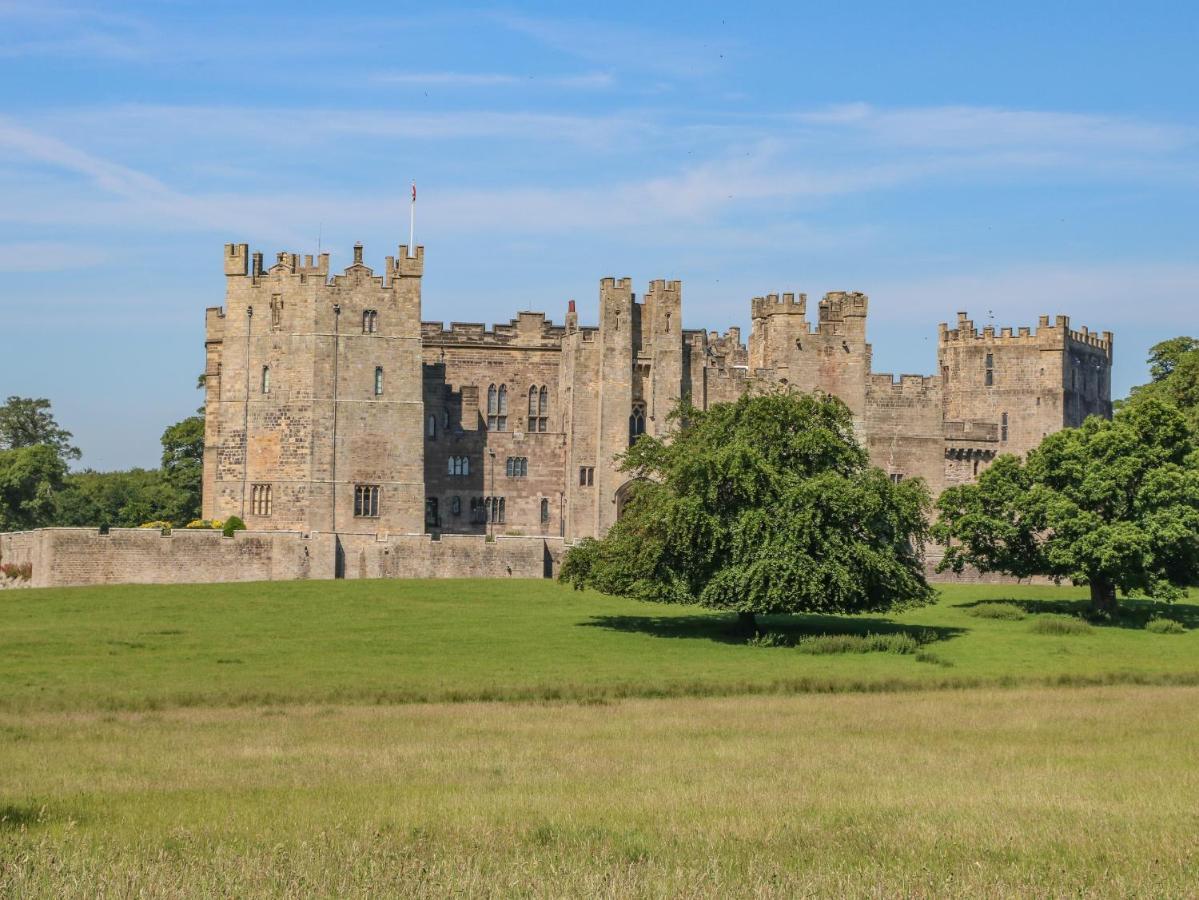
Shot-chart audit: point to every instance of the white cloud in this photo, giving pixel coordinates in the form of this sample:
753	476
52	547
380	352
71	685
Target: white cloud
47	256
587	80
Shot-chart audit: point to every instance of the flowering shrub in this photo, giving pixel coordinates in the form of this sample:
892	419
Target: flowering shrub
164	527
24	571
208	524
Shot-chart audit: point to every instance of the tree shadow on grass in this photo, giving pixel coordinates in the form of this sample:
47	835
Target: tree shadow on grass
14	816
1133	613
726	629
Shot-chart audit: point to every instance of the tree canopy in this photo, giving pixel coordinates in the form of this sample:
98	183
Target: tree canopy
29	480
27	422
1112	504
1174	378
765	505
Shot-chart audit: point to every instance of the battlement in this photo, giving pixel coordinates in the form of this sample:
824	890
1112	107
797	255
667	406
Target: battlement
405	266
1045	334
658	285
528	329
237	259
610	283
838	305
776	305
904	386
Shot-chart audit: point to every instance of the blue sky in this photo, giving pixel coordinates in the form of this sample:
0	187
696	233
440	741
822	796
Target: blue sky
1007	159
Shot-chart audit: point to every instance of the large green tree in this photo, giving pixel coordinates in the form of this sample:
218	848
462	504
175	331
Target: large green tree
765	505
1173	377
27	422
29	478
183	463
1111	504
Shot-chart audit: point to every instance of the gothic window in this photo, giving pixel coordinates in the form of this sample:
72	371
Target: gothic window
493	510
497	408
543	407
431	427
636	423
459	465
1003	427
260	500
431	518
532	407
545	511
990	380
586	476
276	311
517	467
450	462
266	379
366	501
456	506
378	381
668	323
370	321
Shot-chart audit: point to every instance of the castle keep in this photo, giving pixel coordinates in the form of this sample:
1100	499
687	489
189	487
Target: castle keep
332	408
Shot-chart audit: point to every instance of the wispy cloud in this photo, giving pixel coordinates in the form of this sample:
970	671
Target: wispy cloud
587	80
47	256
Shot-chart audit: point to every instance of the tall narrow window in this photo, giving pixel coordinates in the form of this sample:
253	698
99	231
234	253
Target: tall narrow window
370	321
494	511
493	408
543	407
431	427
378	381
366	501
266	379
636	423
502	409
1003	427
990	378
260	500
545	511
586	476
532	408
451	465
276	311
455	506
432	519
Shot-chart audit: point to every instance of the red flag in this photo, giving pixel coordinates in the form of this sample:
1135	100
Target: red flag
414	192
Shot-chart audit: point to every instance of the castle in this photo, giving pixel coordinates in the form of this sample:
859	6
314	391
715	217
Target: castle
331	407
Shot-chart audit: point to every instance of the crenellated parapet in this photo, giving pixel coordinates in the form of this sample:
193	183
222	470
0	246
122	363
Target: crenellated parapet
907	387
779	305
1056	335
528	329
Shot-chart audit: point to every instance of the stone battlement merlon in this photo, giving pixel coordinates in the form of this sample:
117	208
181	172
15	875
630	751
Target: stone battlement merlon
239	262
1044	334
779	305
528	329
916	386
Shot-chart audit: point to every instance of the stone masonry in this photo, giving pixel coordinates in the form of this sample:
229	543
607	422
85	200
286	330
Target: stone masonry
331	407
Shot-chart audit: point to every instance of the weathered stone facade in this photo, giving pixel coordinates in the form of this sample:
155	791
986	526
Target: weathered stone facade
332	408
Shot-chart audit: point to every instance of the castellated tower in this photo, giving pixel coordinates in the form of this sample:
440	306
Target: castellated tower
314	408
1026	384
831	356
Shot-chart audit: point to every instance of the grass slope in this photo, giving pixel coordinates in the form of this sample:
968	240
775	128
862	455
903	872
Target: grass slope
1045	792
141	647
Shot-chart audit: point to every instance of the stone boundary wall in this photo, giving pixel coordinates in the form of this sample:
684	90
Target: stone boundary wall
65	557
16	548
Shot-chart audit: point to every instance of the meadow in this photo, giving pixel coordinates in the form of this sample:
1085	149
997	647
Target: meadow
521	739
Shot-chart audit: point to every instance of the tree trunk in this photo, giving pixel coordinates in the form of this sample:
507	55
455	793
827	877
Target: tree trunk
747	622
1103	597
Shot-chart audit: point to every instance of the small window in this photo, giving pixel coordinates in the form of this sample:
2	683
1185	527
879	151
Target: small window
266	379
545	511
1003	427
431	427
366	501
896	477
432	520
378	381
586	476
532	407
260	500
459	466
636	423
370	321
456	506
543	406
517	467
976	467
990	376
493	510
276	312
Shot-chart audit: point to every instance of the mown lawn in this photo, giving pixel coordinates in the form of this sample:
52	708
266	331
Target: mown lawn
144	647
1022	792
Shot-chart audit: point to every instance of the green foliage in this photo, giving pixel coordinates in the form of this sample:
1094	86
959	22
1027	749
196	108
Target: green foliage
1060	625
1006	611
183	463
29	478
765	505
1165	626
1174	374
232	524
1112	504
771	639
900	643
124	499
26	422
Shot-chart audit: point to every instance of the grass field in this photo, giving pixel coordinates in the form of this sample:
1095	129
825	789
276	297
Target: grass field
296	739
139	647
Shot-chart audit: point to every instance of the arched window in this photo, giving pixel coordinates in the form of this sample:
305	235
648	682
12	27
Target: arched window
990	377
378	381
370	321
451	465
668	323
456	506
431	427
266	379
543	409
492	406
636	423
532	407
497	408
503	400
545	511
1003	427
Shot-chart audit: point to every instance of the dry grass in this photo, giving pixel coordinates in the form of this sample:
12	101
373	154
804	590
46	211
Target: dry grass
1035	792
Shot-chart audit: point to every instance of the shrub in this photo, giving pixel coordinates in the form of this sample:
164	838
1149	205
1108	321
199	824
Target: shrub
1165	626
1006	611
771	639
164	527
207	524
856	643
232	524
1060	625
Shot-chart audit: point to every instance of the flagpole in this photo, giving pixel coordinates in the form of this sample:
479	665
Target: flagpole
412	224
